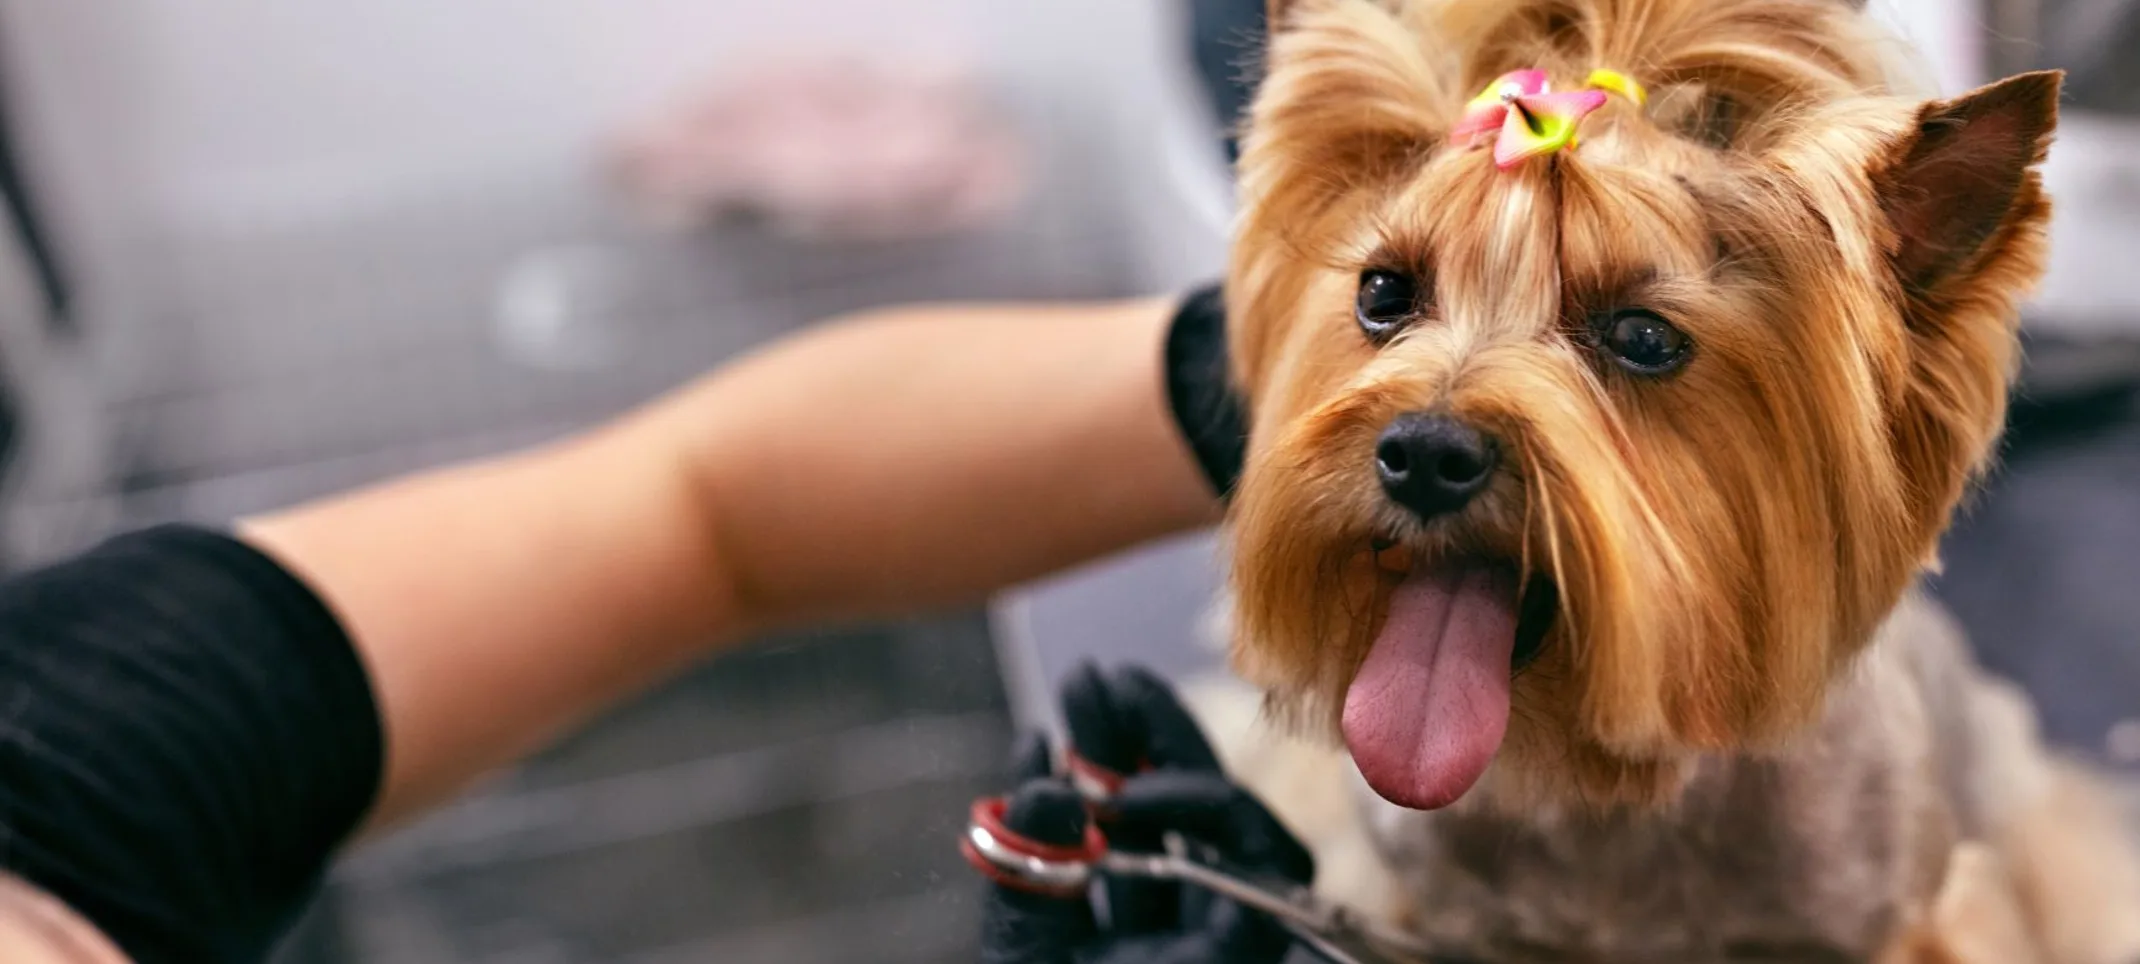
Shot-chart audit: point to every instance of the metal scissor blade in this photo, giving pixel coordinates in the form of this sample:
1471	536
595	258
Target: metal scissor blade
1329	931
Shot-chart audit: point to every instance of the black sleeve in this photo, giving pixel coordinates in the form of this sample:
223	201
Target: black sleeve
1207	409
186	735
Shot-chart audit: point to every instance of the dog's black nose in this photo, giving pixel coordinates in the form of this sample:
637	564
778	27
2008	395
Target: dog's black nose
1433	464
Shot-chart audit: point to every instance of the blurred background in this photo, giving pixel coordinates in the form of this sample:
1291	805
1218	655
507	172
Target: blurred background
264	250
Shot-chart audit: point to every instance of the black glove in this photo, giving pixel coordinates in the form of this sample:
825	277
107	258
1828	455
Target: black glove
1129	722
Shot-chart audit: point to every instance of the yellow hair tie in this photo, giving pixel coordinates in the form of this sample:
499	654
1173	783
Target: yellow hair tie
1618	83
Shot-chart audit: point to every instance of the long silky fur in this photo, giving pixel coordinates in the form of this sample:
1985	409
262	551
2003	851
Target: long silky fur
1781	493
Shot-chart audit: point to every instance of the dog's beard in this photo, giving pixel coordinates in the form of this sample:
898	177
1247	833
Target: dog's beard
1418	643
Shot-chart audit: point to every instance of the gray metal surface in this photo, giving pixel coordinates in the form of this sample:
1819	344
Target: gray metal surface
797	802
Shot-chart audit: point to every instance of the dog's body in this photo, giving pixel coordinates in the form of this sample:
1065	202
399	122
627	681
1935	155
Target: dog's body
1919	821
1671	416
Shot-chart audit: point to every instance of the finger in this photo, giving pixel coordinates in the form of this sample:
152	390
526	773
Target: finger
1099	730
1031	757
1171	738
1105	733
1207	808
1047	812
1019	927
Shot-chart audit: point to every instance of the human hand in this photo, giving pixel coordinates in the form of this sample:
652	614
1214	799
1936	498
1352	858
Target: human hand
1129	722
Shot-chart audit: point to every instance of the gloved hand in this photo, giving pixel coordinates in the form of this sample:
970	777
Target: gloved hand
1129	722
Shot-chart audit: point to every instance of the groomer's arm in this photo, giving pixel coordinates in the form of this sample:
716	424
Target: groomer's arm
889	463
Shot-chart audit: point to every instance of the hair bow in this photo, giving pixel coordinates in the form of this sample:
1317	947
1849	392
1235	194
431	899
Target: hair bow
1525	118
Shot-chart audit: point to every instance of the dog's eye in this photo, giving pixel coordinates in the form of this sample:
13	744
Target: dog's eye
1387	300
1643	342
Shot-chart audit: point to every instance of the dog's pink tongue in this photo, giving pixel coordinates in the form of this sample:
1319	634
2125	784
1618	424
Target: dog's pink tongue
1426	713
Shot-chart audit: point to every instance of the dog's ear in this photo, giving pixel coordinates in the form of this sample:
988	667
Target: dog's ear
1967	212
1963	175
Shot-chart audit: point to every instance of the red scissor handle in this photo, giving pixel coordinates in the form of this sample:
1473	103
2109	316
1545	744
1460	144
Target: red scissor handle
1022	863
1013	862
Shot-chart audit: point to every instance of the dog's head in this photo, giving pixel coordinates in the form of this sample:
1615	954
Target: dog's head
1583	466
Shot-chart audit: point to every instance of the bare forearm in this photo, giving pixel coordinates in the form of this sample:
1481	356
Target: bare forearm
889	464
496	604
928	457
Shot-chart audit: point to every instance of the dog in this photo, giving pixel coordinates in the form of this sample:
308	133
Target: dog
1612	369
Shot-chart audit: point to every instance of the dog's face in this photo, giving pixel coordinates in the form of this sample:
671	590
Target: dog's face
1575	469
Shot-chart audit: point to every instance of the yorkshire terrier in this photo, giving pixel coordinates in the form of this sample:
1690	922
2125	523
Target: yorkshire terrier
1612	369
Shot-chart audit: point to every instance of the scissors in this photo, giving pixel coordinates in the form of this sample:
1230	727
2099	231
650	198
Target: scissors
1335	933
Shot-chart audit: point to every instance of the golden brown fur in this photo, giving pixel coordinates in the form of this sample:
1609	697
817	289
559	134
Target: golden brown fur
1726	540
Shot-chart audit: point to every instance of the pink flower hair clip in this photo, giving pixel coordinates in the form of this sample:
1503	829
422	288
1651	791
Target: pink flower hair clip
1523	117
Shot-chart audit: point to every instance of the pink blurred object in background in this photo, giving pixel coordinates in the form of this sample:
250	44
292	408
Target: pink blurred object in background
827	150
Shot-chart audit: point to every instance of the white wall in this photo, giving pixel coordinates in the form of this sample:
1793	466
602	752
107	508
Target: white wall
202	109
1946	34
171	116
262	108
